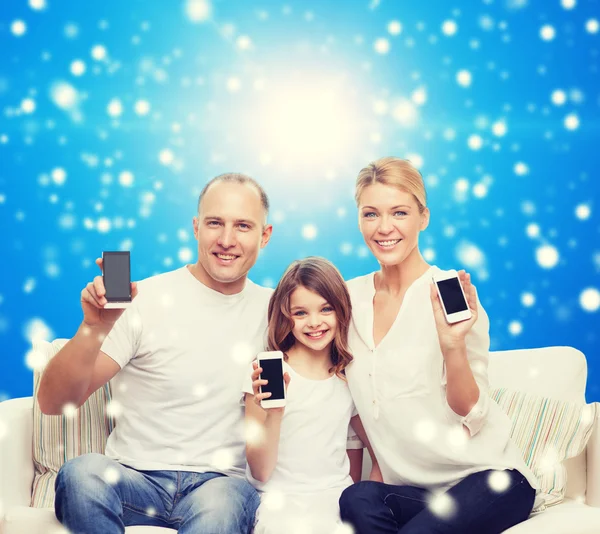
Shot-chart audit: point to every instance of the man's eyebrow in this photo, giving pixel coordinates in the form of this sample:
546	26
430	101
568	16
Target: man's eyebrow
217	218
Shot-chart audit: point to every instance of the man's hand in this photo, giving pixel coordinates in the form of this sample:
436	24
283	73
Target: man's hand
93	300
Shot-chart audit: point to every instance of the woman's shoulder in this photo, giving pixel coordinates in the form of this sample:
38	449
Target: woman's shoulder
360	283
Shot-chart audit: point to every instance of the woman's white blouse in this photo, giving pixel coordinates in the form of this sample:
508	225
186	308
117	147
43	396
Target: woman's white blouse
399	389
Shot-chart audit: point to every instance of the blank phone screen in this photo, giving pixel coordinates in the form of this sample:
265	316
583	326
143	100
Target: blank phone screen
452	296
117	280
272	370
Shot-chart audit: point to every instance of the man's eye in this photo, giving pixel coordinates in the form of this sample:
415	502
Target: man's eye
244	226
213	223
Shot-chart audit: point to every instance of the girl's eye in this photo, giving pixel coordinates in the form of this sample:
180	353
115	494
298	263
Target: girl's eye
298	313
327	309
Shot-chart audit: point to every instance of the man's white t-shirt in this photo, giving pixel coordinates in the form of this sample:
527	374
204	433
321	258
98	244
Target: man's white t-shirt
184	350
313	436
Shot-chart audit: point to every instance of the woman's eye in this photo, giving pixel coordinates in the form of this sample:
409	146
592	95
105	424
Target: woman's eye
369	215
400	213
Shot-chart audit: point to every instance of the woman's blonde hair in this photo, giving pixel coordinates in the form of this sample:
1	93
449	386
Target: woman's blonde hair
396	172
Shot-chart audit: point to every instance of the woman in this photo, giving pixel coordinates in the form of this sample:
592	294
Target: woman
420	384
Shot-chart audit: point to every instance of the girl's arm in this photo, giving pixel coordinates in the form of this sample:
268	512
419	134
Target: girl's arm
262	429
262	438
356	463
362	434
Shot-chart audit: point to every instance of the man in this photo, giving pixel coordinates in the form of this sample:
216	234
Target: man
177	358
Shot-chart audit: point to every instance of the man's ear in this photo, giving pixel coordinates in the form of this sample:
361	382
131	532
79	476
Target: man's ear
195	223
266	235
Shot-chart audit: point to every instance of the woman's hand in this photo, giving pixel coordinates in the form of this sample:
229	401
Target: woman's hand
452	336
257	382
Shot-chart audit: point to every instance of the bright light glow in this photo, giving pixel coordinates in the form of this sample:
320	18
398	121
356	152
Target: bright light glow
547	256
198	10
142	107
99	52
464	78
18	28
77	67
381	45
547	32
571	121
592	26
64	95
449	28
583	212
558	97
589	299
394	27
309	121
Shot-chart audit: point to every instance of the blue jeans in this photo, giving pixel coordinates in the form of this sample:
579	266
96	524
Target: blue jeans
97	495
472	506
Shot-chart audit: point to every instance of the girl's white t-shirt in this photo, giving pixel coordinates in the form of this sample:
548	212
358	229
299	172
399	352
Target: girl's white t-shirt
399	387
313	436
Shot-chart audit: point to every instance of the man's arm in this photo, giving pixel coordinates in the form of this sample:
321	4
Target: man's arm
80	367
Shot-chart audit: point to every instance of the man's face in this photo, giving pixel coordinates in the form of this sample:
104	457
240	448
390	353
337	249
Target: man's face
230	229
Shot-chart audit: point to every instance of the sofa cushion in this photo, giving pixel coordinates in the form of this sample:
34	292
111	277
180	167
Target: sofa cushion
569	516
26	520
58	438
547	431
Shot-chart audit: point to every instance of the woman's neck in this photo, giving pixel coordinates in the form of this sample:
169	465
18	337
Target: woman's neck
396	279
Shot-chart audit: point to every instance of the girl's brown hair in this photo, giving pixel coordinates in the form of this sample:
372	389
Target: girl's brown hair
321	277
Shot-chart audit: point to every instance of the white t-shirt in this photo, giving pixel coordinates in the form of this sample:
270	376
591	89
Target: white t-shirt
399	389
312	443
184	350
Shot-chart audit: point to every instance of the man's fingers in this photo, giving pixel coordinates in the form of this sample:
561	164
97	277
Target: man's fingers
99	287
87	295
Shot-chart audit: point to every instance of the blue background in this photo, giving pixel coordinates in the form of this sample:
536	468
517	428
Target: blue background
301	95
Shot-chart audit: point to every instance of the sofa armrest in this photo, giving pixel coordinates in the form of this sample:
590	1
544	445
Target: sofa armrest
592	497
16	463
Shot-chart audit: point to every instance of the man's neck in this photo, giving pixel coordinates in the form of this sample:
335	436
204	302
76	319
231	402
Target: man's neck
226	288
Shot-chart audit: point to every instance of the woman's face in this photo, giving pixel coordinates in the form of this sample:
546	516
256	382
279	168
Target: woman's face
390	222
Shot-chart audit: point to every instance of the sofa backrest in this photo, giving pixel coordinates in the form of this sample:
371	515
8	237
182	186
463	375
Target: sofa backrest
555	372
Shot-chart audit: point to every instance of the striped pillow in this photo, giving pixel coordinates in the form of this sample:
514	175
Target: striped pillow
547	431
58	438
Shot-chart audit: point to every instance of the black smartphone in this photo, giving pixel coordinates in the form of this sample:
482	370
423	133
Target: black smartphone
272	370
116	273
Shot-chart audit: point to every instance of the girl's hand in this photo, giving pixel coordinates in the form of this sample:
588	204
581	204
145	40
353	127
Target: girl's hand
452	336
257	383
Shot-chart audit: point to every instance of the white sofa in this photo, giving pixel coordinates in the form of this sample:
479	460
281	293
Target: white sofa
558	372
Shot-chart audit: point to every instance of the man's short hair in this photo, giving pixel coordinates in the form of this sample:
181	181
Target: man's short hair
238	178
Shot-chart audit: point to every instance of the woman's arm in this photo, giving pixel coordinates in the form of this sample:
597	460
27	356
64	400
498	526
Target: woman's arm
362	434
465	348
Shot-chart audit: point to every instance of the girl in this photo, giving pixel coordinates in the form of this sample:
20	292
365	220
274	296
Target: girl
297	454
420	384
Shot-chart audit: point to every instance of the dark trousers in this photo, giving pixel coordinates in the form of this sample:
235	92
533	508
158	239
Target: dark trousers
487	502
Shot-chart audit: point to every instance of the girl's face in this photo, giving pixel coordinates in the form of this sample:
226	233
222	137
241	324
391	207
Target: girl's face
390	222
315	321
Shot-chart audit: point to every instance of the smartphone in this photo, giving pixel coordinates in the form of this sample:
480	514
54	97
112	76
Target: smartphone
272	370
116	273
452	297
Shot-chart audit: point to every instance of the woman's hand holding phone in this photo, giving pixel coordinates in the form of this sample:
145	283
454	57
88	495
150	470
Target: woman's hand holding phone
257	382
452	336
93	301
